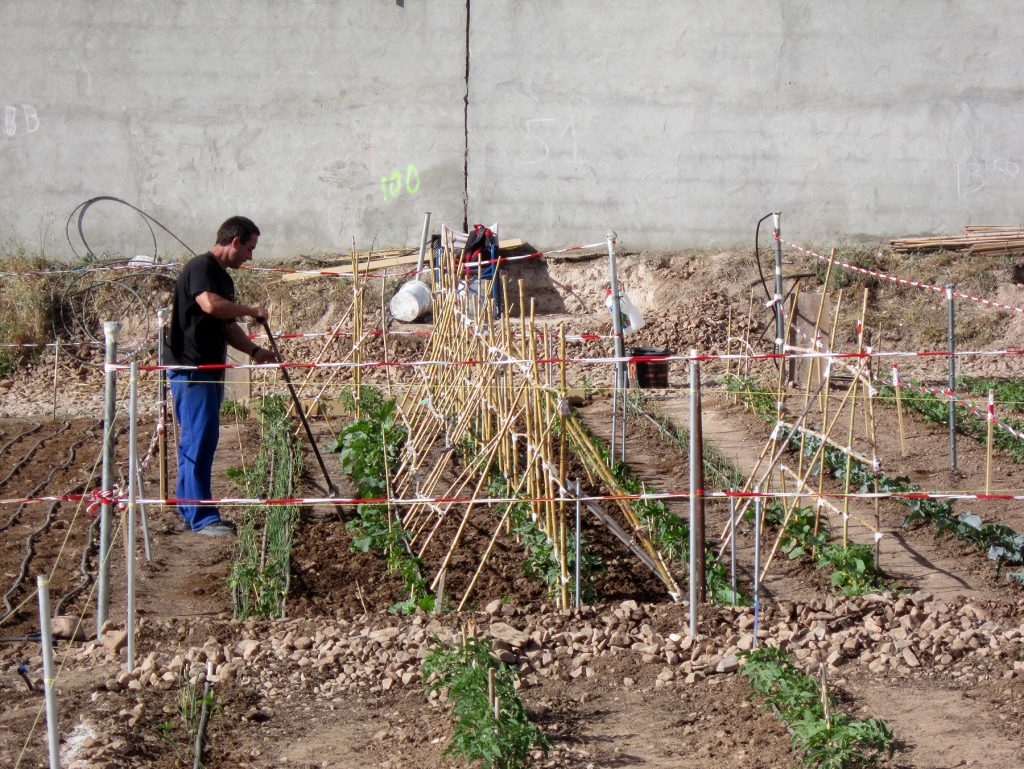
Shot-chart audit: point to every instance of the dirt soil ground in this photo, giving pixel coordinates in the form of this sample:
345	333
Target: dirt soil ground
337	683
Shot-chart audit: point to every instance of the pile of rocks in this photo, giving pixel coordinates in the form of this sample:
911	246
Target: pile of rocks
890	634
882	632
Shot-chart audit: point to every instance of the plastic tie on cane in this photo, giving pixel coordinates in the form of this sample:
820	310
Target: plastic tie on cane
878	536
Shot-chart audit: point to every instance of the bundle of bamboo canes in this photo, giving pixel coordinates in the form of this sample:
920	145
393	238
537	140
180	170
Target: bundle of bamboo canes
995	240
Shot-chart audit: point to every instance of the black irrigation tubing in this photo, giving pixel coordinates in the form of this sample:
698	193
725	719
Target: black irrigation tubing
29	552
21	463
83	568
19	436
78	311
29	545
72	449
82	208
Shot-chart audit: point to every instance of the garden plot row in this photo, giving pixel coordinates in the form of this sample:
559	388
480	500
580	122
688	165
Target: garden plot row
56	538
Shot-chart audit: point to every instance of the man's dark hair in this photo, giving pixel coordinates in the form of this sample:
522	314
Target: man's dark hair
236	227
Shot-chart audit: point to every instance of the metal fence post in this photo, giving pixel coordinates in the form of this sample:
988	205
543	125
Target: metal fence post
111	329
49	684
951	338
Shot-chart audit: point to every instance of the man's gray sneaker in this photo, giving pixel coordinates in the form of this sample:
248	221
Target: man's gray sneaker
218	529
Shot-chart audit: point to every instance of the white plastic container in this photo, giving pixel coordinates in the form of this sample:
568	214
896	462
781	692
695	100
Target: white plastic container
631	317
410	301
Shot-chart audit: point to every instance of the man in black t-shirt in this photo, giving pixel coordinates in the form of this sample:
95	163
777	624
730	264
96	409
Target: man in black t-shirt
203	324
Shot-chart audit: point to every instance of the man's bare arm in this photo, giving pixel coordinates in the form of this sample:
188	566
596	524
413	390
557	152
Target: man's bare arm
224	309
238	339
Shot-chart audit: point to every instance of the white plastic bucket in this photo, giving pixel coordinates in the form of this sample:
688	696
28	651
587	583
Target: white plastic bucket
410	301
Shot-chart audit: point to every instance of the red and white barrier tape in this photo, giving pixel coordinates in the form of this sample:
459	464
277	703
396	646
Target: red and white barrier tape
700	357
988	414
88	270
120	498
906	282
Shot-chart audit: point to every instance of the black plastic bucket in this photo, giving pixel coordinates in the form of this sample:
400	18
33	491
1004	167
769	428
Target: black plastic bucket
651	373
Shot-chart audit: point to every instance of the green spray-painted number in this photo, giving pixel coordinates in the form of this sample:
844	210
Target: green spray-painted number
391	184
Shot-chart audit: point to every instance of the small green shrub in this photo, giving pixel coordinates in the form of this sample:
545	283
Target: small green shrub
369	450
835	741
853	569
501	740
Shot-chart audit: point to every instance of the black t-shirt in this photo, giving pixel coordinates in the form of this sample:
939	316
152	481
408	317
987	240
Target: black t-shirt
196	338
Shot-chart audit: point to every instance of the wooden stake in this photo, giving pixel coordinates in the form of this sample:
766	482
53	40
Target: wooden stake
897	386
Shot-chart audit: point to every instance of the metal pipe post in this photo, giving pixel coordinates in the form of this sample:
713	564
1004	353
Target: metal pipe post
133	495
111	329
423	244
161	320
757	562
46	636
578	546
950	335
613	274
780	343
698	588
732	547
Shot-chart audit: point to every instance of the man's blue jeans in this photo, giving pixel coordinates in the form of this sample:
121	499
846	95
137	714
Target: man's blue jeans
197	398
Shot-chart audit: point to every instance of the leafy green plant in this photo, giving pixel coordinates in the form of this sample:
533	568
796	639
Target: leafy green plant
587	384
853	569
1001	543
234	409
541	562
669	532
373	530
500	737
936	409
1009	393
369	447
259	577
798	538
192	696
826	738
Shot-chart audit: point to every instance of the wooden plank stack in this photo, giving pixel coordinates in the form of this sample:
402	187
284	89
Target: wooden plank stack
989	239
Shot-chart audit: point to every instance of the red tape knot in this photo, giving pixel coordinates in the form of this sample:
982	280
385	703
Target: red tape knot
97	498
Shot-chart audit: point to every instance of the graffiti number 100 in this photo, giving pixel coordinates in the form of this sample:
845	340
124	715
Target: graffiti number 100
391	184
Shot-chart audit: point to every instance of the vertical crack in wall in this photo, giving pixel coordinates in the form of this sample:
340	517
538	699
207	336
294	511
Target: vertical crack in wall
465	134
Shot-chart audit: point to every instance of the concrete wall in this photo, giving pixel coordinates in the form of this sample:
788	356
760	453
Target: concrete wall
289	112
674	122
680	123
